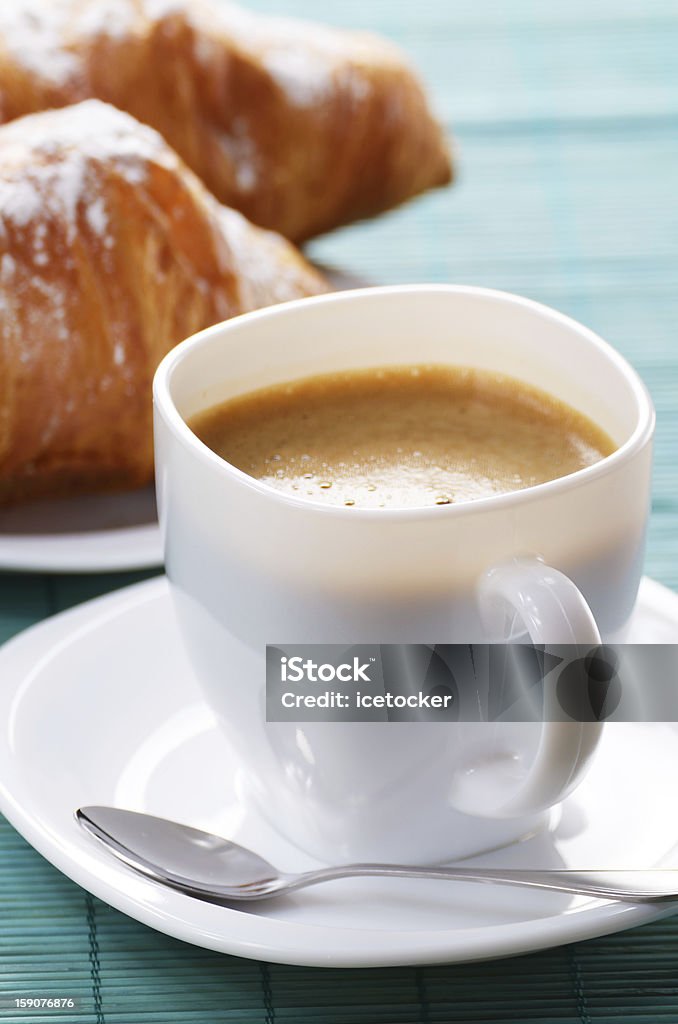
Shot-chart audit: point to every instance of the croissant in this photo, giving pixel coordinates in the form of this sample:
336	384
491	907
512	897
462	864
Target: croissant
302	128
111	251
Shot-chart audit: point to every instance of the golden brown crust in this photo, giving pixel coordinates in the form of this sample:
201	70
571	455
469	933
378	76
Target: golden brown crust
111	252
300	127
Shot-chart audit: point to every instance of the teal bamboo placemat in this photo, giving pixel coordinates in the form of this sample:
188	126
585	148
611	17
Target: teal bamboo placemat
124	973
566	122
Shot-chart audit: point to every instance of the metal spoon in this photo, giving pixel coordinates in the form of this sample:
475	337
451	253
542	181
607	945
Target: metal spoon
204	865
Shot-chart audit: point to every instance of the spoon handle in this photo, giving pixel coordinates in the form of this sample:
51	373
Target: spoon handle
636	886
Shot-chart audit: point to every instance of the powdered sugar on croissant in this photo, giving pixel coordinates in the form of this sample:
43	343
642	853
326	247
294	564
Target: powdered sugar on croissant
111	251
299	126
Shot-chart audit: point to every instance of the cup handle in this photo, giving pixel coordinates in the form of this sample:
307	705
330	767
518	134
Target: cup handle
553	611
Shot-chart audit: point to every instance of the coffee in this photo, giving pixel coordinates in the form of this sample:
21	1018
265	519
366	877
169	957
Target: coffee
401	437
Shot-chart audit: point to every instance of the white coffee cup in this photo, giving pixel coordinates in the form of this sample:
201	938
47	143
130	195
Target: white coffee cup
250	566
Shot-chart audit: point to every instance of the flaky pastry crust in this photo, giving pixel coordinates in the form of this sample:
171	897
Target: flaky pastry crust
111	252
300	127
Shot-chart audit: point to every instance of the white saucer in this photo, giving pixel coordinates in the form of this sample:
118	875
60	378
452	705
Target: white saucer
98	705
90	533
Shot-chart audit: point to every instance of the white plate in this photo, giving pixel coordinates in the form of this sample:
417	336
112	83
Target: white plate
91	533
98	705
